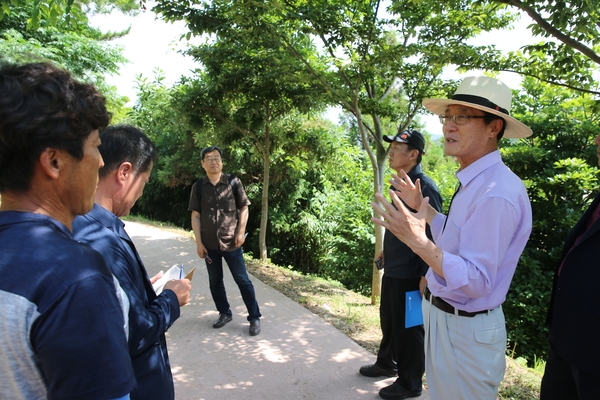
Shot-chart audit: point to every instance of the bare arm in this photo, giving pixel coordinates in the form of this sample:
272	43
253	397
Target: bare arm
196	228
241	228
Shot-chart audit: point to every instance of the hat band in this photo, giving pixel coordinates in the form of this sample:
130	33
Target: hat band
482	101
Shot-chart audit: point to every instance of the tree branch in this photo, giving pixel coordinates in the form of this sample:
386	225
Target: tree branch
578	89
569	41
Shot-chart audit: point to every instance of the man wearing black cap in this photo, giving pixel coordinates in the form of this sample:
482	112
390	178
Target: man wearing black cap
401	349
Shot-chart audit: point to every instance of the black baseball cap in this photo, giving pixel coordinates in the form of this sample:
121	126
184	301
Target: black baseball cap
410	136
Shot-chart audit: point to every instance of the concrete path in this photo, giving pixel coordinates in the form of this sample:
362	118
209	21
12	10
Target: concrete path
298	355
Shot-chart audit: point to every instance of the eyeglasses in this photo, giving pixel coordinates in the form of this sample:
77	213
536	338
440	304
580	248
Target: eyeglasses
459	119
212	159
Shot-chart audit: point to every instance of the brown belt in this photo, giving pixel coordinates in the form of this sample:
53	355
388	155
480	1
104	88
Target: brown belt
442	305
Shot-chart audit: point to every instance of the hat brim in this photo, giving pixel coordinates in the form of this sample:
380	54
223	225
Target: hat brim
514	129
396	139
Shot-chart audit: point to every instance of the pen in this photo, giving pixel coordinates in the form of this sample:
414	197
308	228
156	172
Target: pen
180	271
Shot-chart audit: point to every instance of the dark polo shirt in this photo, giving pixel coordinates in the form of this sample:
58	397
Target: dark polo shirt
218	210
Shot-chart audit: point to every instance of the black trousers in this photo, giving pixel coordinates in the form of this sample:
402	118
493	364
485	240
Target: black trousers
400	348
563	381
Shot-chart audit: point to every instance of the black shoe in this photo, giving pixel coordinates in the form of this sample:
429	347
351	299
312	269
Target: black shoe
254	327
374	371
396	391
223	319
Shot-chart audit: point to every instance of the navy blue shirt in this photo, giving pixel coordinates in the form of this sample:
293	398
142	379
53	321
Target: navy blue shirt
149	315
399	260
60	321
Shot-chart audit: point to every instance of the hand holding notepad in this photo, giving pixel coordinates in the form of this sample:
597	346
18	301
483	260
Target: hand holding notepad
175	272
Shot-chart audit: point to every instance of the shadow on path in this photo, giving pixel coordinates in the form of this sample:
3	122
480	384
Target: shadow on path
298	355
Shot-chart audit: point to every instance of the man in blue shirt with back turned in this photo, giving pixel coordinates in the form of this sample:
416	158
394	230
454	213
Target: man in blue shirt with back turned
129	156
61	321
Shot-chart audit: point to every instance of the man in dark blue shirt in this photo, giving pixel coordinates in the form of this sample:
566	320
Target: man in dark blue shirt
401	351
129	156
62	323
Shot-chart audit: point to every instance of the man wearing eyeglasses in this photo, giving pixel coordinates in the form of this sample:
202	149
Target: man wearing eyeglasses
477	245
401	349
219	216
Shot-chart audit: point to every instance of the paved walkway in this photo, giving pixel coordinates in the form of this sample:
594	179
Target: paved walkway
298	355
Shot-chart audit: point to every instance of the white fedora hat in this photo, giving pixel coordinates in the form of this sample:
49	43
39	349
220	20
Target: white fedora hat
486	94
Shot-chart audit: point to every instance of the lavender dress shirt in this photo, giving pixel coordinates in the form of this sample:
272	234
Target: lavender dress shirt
489	223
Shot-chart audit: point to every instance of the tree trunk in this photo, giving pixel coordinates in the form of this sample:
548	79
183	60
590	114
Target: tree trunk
378	160
378	184
264	216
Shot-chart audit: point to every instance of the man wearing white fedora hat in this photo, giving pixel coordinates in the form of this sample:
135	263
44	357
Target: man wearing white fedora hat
477	246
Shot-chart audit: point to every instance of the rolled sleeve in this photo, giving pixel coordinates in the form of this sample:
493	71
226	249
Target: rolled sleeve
477	251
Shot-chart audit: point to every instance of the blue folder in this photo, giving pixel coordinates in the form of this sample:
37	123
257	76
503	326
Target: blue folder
413	313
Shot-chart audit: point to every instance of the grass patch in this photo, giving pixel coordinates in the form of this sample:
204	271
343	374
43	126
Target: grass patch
355	316
520	382
349	312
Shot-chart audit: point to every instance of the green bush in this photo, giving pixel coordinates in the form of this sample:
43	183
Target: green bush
558	167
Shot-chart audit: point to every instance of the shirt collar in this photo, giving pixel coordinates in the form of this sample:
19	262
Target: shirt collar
468	174
11	217
106	218
416	171
222	179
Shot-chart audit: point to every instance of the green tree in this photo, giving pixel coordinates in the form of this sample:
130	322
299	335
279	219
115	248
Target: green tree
70	12
318	219
335	215
248	83
82	49
568	53
158	113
